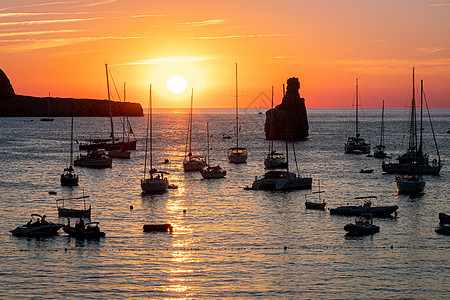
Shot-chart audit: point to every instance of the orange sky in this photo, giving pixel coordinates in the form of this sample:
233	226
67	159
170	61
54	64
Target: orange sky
61	46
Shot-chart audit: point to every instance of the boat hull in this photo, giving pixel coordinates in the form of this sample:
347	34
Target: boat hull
90	232
380	211
69	180
360	229
397	168
74	213
37	231
277	184
315	205
150	186
193	165
93	163
237	155
213	173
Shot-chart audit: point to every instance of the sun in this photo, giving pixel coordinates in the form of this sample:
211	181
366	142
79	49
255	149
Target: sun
176	84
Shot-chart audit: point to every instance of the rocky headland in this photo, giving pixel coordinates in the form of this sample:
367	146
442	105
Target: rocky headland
12	105
289	119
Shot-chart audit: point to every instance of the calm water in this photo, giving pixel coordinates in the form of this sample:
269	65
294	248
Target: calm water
230	242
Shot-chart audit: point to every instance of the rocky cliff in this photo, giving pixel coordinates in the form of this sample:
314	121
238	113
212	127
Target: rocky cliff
12	105
289	117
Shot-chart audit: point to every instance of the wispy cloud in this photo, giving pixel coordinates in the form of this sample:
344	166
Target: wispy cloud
22	14
9	34
40	22
202	23
39	4
96	3
241	36
424	50
439	4
16	45
148	16
170	59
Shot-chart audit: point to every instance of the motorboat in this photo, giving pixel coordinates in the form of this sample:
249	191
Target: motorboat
281	181
356	144
363	226
64	212
81	230
38	226
357	210
94	159
320	205
412	184
444	224
211	172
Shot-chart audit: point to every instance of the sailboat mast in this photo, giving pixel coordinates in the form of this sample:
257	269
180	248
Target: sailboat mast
109	102
190	123
382	125
413	130
123	123
71	142
146	133
271	125
421	112
357	104
151	129
207	139
237	110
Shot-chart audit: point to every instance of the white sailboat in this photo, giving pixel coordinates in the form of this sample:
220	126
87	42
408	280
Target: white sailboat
274	159
211	172
237	155
379	149
68	177
356	144
157	183
191	162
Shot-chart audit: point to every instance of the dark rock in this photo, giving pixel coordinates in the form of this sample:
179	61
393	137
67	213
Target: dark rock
6	89
289	119
12	105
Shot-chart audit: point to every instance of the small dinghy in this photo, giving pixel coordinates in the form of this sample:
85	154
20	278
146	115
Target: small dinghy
357	210
84	231
316	205
444	224
363	226
158	228
366	171
38	226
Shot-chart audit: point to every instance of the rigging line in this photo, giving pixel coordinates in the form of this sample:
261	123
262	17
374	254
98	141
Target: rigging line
431	125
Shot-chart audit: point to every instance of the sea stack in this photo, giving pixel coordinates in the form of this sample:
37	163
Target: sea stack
289	117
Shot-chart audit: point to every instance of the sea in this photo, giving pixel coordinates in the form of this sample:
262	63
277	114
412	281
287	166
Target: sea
227	242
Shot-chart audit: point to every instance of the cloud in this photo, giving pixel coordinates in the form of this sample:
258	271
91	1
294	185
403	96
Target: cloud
424	50
439	4
22	14
202	23
40	22
170	59
96	3
147	16
241	36
37	32
39	4
20	45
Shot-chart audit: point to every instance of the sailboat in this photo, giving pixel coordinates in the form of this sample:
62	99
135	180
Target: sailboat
281	180
237	155
111	143
356	144
192	163
122	150
274	160
379	149
415	153
211	172
157	183
316	205
68	177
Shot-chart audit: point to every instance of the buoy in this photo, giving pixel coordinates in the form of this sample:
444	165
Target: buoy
184	211
131	207
52	193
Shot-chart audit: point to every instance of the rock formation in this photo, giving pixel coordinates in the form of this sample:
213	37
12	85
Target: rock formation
12	105
289	119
